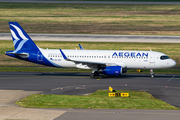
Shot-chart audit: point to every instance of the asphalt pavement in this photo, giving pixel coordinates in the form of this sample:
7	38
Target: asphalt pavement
14	85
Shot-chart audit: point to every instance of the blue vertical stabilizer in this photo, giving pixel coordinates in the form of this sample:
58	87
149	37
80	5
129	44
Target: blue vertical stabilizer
21	40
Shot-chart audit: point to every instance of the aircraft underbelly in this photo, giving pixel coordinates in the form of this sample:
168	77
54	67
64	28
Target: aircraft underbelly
66	64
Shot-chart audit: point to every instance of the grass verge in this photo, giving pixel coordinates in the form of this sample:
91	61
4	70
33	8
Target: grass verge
40	69
97	100
92	18
56	70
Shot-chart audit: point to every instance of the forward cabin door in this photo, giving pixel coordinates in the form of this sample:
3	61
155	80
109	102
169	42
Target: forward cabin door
152	58
152	61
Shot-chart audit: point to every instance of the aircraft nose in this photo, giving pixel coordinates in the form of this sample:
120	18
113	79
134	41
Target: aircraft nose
173	63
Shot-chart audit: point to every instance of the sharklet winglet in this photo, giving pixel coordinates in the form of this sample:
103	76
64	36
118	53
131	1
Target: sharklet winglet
81	47
64	56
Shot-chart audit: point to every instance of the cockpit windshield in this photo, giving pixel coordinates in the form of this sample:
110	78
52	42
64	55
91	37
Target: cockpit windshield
164	57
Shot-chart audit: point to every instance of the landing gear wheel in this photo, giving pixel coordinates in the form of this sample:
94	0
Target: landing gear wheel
92	75
96	73
152	73
152	76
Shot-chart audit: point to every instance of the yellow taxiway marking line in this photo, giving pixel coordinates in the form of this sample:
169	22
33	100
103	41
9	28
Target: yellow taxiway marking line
101	77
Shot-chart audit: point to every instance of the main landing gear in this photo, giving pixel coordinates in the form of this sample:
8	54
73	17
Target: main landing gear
152	73
95	74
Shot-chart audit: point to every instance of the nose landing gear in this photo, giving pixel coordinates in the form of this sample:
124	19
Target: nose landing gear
152	73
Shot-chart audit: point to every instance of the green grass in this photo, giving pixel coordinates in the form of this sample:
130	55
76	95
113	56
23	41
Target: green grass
97	100
40	69
92	18
56	70
162	71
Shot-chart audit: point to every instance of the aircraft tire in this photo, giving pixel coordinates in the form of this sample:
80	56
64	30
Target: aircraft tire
152	76
92	75
96	74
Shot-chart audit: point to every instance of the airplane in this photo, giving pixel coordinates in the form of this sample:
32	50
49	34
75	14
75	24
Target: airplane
108	62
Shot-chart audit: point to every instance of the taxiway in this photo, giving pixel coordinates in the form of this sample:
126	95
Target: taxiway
164	87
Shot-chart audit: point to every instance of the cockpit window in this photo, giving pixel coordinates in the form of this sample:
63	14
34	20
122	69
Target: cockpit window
164	57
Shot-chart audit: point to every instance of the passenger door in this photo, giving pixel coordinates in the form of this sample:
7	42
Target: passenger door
152	58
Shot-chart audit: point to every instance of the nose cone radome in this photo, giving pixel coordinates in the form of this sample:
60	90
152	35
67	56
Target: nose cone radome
173	63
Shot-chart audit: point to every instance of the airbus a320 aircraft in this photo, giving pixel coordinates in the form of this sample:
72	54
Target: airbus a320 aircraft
108	62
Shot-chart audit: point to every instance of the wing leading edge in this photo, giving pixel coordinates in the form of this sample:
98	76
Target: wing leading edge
84	62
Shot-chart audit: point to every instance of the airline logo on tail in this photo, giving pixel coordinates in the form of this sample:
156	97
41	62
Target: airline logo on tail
20	38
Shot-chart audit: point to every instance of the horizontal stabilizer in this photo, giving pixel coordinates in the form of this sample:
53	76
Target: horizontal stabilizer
23	55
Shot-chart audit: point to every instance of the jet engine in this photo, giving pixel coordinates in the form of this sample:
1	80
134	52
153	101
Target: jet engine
112	70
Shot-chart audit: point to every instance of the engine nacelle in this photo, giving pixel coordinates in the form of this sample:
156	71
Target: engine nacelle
112	70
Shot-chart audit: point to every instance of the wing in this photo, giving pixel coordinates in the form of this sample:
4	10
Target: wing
83	62
94	64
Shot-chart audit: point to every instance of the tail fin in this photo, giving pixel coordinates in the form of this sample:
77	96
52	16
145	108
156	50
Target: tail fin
21	40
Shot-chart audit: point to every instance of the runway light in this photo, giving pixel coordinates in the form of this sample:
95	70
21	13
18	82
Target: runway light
61	88
125	84
83	85
166	86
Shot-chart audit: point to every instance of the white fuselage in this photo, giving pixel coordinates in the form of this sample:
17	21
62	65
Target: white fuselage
125	58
